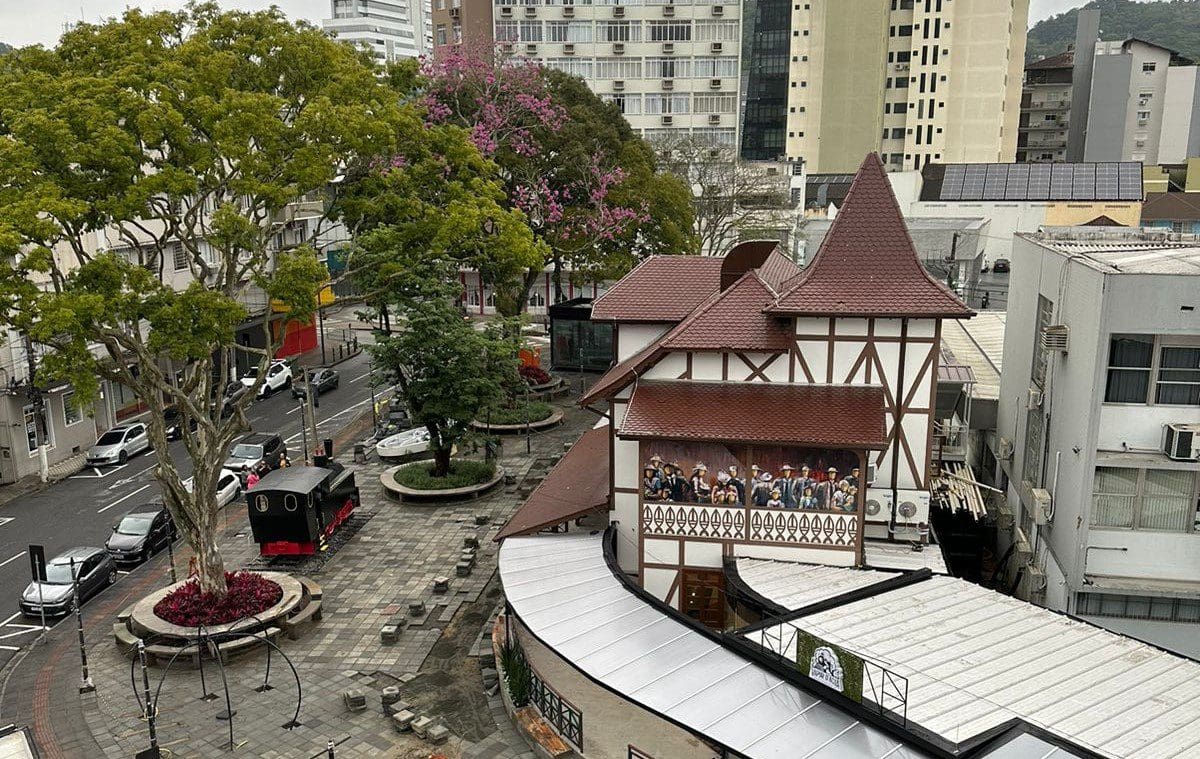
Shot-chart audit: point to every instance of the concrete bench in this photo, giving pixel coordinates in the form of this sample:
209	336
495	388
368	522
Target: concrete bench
246	643
162	655
127	642
310	614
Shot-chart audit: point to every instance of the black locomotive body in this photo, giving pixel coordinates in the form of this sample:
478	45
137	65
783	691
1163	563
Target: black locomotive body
294	510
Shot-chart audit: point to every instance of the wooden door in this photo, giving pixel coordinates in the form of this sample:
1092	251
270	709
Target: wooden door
704	596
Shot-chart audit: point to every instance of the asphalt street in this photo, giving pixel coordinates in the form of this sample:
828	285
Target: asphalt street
81	510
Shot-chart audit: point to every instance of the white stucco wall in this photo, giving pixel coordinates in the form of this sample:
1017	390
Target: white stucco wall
631	338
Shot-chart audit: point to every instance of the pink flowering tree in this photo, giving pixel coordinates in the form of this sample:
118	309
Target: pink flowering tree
569	162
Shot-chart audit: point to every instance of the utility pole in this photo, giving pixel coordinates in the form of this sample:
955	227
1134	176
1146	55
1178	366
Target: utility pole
951	263
39	411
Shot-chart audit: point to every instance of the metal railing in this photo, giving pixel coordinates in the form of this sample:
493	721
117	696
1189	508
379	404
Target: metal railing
566	718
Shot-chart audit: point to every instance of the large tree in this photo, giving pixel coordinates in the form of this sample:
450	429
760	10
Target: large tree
569	161
167	139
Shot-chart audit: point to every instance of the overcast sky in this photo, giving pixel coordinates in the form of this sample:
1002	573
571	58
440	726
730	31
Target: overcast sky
42	21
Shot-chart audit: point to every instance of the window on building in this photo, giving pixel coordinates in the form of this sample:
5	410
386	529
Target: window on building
619	31
670	31
569	31
629	104
1178	380
672	103
1041	355
72	413
715	103
715	68
507	31
899	107
1143	115
531	31
441	34
1138	607
1137	362
904	30
1144	499
717	31
537	299
1148	68
903	56
618	68
180	256
898	133
669	68
901	82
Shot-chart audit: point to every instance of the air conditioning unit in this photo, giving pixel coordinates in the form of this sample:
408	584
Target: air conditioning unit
568	50
619	84
668	47
531	50
1004	449
902	66
878	505
619	48
1055	337
530	11
506	47
618	12
668	84
1181	442
455	12
912	507
668	11
718	10
717	47
668	120
1143	101
506	11
714	153
714	118
714	84
1035	398
568	12
1042	505
1032	587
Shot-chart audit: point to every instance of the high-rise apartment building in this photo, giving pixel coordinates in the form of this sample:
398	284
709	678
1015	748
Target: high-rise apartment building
916	80
391	29
672	66
1046	109
462	22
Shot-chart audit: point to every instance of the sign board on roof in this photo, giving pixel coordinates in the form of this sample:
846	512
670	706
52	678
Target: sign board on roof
830	665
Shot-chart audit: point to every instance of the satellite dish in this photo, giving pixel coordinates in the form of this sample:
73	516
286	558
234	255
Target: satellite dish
873	507
908	509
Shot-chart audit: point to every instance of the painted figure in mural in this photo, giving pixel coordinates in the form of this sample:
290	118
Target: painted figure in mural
724	492
701	490
826	489
786	485
657	462
841	497
806	480
775	502
652	484
808	500
852	480
762	489
852	499
676	484
737	483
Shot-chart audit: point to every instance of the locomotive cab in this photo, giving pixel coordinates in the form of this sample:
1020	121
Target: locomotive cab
294	510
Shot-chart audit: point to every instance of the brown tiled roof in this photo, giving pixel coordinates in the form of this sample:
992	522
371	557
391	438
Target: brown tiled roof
734	320
1060	61
620	374
1102	220
660	289
777	269
1171	206
867	264
834	416
576	486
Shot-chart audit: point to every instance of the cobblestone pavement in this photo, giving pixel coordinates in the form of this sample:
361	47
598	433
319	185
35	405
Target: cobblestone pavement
390	561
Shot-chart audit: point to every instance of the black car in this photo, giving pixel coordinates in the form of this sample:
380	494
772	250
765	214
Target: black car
173	420
94	569
321	381
1001	266
254	449
140	534
233	393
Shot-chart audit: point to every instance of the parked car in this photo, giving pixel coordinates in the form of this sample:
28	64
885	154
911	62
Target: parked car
254	449
94	568
320	380
1000	266
279	377
140	534
173	419
119	444
232	393
229	487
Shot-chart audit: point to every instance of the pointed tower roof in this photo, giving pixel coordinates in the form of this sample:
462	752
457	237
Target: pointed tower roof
868	265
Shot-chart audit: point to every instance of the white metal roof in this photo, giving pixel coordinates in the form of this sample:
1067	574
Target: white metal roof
881	554
794	586
975	658
564	592
979	344
1128	257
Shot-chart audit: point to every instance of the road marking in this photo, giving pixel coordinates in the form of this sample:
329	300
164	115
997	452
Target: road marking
2	563
21	632
122	498
5	622
293	410
12	648
6	520
98	474
361	376
126	480
329	418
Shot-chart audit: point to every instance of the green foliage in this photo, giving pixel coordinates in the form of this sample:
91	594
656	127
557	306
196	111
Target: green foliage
463	473
1171	23
517	673
518	413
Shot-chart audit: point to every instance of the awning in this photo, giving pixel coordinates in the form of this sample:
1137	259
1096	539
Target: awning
829	416
576	486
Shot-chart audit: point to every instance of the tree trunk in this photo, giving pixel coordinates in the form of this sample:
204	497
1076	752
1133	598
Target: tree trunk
558	288
210	566
441	461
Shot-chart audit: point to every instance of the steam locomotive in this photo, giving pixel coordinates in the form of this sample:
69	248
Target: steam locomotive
294	510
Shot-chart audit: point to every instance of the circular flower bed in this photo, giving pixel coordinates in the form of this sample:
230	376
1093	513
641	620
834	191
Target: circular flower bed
517	414
463	473
249	593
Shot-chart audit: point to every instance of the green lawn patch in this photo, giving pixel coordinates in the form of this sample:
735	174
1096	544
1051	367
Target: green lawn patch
463	474
517	414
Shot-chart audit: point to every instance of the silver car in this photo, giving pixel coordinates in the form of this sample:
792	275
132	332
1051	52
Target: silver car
118	444
94	568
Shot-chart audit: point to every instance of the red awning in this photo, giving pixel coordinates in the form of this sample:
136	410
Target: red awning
577	485
829	416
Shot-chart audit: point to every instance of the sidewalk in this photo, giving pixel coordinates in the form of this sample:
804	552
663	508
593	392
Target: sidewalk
391	559
33	483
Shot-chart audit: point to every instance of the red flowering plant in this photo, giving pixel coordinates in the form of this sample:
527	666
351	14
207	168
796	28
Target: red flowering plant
247	593
534	375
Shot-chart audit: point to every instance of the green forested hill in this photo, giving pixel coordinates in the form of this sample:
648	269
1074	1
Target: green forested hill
1170	23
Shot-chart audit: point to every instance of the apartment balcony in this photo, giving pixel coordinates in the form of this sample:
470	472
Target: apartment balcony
1047	105
1048	126
949	440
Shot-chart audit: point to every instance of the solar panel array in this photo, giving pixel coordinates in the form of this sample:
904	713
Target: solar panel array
1042	181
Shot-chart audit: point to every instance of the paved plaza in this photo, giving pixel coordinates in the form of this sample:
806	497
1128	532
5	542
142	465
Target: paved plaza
391	559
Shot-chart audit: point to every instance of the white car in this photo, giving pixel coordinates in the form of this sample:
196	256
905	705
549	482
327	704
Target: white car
279	377
229	488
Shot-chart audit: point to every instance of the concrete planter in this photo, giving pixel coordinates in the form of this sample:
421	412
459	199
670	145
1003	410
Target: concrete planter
398	492
519	429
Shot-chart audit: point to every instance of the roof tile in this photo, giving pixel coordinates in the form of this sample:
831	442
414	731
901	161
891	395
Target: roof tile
577	485
660	289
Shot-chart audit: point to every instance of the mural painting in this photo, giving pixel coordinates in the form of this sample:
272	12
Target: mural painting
775	477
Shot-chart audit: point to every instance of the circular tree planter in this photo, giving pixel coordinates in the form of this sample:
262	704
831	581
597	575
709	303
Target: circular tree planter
552	389
299	605
405	494
553	420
